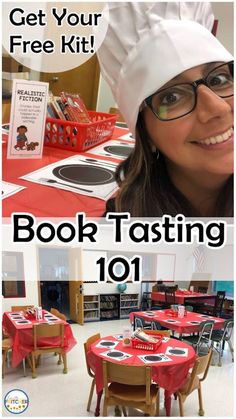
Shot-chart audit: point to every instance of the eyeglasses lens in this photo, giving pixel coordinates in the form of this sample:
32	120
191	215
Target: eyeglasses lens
179	100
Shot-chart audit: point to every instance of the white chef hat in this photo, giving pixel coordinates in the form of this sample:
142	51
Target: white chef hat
147	44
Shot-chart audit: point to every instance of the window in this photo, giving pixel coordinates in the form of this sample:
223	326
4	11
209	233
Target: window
227	286
13	284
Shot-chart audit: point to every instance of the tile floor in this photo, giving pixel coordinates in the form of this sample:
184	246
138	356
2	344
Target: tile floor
53	394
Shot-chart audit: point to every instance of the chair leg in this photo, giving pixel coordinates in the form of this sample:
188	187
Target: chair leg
90	395
231	349
124	410
8	359
158	404
181	405
104	413
65	370
38	360
59	362
4	362
24	369
34	375
201	411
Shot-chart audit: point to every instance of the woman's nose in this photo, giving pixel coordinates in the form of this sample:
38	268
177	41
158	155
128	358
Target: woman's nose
210	105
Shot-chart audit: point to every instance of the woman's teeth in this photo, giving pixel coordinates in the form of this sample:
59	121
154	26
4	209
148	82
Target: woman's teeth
218	138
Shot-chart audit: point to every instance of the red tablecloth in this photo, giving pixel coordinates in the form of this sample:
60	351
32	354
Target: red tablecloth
169	375
181	296
180	325
22	337
42	200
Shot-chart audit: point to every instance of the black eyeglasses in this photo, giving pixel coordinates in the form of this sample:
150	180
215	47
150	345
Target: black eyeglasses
181	99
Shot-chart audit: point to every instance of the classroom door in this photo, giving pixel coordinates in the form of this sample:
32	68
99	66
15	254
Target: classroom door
76	286
83	80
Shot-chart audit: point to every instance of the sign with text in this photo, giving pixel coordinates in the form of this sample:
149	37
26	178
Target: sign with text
27	122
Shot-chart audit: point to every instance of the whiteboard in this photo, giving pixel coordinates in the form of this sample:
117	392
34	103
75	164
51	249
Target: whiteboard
165	266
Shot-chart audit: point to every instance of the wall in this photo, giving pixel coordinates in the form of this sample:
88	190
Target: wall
224	13
30	270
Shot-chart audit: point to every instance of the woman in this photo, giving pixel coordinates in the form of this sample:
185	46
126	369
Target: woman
173	82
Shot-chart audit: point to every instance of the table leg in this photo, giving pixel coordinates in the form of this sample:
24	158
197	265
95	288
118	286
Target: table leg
97	410
168	403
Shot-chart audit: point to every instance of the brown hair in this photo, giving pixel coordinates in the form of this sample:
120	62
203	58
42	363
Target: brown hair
146	189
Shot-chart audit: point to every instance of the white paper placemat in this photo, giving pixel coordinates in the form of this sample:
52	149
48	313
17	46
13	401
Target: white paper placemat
9	189
57	175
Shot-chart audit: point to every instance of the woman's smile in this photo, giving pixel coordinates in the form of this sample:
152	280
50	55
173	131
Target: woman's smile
216	142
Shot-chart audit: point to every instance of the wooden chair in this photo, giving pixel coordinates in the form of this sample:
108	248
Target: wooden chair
116	111
218	306
130	387
87	345
201	366
170	296
47	331
21	308
6	347
58	314
159	332
62	317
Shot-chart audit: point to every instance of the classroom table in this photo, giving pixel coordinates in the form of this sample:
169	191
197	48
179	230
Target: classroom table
22	336
43	200
187	324
182	296
170	374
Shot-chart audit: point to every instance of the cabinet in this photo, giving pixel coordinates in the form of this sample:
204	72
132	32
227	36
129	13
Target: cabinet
128	303
91	308
109	306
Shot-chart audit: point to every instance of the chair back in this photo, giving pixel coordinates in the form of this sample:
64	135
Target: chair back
21	308
219	301
138	322
58	314
206	329
126	374
228	328
87	344
199	285
201	367
170	295
189	308
48	331
146	300
203	290
159	332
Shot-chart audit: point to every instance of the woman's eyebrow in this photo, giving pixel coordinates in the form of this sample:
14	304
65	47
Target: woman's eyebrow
183	78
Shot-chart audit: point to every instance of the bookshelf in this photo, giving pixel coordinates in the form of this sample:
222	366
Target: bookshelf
91	308
128	303
109	306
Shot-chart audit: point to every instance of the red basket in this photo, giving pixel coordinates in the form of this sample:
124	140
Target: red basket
171	313
147	346
30	316
75	136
